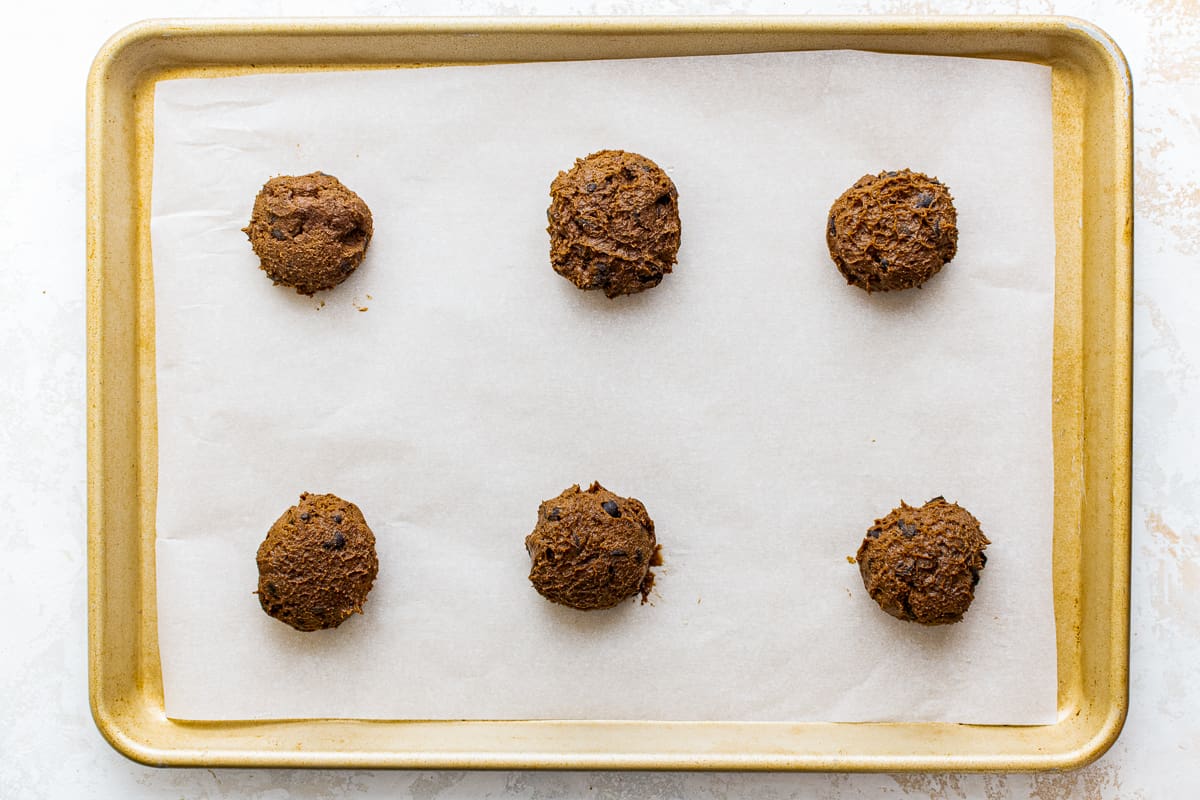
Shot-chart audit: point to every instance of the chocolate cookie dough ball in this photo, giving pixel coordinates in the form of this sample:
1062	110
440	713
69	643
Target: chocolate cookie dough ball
592	549
309	231
894	230
614	223
317	563
922	564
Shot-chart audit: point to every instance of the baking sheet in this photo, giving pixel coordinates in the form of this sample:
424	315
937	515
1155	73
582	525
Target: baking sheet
763	411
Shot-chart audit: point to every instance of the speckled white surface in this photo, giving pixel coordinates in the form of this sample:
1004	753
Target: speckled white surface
48	744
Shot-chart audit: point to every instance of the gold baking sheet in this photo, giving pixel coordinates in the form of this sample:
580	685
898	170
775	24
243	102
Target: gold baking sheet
1091	400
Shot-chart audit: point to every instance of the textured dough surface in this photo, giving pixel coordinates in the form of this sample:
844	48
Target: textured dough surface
894	230
317	563
614	223
309	231
591	549
922	564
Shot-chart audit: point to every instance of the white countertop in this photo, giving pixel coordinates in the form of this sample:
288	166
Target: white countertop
49	746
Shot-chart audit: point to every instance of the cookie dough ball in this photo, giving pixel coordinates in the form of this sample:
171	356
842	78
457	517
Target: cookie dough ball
894	230
592	549
309	231
922	564
614	223
317	563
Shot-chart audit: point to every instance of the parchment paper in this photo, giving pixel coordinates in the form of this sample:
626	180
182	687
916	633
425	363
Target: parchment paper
763	411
